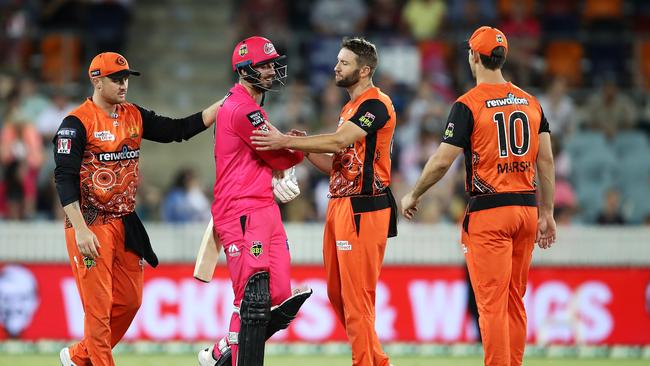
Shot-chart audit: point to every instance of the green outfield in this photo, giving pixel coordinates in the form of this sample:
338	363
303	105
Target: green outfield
178	360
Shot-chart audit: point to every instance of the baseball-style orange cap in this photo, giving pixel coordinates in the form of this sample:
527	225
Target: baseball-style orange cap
485	39
110	64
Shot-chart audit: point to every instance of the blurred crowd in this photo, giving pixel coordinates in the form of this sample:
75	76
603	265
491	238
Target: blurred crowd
587	61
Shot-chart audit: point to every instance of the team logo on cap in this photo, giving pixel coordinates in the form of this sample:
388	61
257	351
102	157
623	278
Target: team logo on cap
120	61
268	48
243	49
499	38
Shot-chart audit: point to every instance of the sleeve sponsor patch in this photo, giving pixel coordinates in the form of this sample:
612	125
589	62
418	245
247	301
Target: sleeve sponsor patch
63	145
449	131
367	119
67	132
256	118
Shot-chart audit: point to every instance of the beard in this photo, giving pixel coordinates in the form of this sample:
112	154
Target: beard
349	80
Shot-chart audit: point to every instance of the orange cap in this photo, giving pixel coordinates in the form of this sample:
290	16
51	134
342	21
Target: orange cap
485	39
110	64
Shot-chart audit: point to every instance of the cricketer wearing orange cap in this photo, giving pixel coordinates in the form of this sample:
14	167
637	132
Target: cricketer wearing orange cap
506	141
485	39
97	151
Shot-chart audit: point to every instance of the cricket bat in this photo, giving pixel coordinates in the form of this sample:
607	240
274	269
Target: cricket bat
206	259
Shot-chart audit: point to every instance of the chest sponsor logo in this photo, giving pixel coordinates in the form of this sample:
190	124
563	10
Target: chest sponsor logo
367	119
125	154
67	132
343	245
256	248
233	251
449	131
510	99
63	146
104	136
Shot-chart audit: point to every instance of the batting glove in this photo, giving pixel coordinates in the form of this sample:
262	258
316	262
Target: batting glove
286	189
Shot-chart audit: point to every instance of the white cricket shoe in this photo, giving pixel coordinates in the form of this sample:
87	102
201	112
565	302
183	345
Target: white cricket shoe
64	356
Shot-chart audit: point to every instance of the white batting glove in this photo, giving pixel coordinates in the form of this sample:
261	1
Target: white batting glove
286	189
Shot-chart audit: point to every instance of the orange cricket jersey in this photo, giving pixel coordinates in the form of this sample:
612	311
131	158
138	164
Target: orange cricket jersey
109	170
498	126
363	168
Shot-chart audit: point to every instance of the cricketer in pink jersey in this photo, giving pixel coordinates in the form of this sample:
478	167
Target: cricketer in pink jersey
246	217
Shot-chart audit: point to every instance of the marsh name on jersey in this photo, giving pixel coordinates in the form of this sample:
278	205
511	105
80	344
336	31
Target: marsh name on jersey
514	167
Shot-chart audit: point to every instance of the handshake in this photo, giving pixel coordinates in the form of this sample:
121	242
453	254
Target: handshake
285	185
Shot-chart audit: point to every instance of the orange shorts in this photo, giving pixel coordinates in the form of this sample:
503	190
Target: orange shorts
356	230
498	245
111	292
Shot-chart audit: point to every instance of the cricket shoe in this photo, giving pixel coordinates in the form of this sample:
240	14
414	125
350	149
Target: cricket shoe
64	356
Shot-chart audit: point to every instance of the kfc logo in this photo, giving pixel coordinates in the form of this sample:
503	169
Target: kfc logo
63	146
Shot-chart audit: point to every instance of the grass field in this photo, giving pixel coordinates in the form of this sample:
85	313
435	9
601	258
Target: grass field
179	360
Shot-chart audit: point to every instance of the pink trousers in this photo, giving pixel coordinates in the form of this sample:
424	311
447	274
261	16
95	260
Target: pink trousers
253	243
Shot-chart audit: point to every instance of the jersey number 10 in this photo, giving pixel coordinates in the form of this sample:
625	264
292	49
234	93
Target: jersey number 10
510	139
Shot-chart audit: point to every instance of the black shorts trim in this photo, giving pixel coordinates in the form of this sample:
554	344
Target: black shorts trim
486	201
361	204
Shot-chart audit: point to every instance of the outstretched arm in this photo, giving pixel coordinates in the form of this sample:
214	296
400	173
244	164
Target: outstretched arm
434	170
346	135
164	129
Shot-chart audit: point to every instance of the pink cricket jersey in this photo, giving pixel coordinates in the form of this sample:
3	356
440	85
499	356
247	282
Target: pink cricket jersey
243	174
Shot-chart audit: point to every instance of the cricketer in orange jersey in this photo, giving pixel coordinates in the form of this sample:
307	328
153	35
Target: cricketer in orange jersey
96	151
507	146
361	214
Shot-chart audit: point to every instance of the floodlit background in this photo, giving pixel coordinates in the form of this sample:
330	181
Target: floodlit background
588	62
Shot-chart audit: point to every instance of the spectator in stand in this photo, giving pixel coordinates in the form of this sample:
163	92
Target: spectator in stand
611	212
485	11
424	18
295	105
21	156
610	110
565	201
330	105
185	202
31	103
107	24
339	17
267	17
385	20
523	30
48	121
426	111
559	108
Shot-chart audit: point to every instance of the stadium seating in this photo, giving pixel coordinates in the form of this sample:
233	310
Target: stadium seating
593	166
582	142
564	58
630	143
643	60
